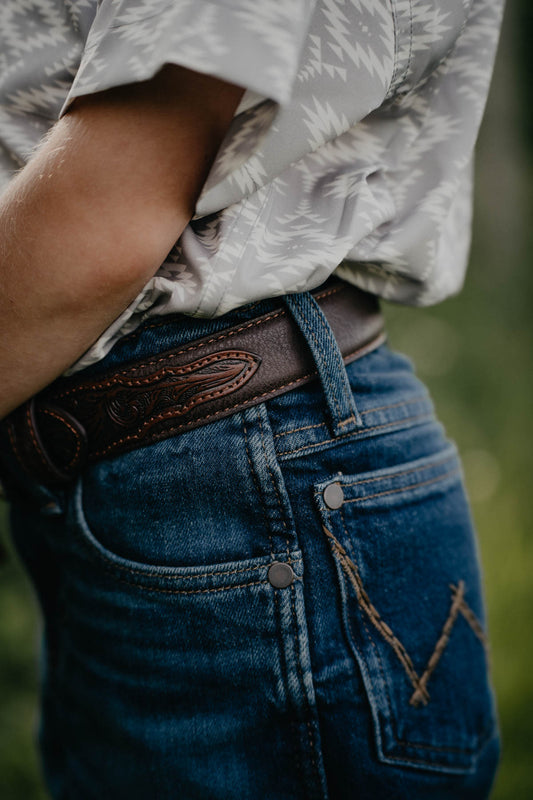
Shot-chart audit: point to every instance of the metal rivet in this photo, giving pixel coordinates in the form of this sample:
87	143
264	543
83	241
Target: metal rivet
280	574
333	495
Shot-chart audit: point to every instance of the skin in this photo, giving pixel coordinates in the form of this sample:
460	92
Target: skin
93	214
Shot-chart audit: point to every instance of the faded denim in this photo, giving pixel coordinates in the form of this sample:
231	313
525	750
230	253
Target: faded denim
173	668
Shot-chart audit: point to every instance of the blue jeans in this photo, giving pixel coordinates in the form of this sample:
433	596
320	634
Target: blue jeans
284	604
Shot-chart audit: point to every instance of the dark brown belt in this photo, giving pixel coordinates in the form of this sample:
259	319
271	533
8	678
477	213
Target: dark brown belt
77	420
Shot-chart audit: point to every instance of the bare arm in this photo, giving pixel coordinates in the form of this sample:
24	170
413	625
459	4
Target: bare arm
94	213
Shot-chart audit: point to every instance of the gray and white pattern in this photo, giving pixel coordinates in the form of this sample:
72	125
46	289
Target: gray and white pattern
351	150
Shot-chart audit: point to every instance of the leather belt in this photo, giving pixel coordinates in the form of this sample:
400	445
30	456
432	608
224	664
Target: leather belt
78	420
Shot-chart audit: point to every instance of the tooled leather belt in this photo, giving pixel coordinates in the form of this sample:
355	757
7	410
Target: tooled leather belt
79	420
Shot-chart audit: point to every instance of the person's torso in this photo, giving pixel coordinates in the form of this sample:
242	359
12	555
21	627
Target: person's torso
363	169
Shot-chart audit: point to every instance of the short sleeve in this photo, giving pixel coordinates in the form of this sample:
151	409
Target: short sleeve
252	44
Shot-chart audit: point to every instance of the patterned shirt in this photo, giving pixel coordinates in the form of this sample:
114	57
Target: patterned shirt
350	151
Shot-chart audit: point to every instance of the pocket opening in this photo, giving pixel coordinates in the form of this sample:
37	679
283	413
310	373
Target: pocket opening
404	548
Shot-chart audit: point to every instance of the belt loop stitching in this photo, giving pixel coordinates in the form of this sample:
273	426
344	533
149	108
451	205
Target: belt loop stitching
296	304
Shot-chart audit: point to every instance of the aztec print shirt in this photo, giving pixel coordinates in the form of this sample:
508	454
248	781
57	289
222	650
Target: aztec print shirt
350	151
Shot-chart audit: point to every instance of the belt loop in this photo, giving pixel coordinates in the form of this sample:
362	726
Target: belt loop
343	413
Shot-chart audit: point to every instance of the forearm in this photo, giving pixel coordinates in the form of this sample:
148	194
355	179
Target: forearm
72	257
89	220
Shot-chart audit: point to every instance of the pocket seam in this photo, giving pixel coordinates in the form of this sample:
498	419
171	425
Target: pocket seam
413	401
484	736
362	433
393	473
404	488
160	590
112	562
470	618
458	606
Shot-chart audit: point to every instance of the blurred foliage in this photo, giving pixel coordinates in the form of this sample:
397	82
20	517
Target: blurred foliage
474	352
19	774
524	73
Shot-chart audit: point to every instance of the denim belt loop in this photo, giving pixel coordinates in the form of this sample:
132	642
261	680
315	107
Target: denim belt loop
343	413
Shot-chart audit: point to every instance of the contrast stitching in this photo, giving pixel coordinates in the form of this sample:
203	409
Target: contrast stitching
436	748
420	695
328	380
72	429
404	488
200	419
285	678
386	686
367	411
150	574
430	747
376	653
310	735
402	472
181	426
135	571
33	438
212	358
282	510
346	421
335	348
162	323
457	598
203	398
257	487
197	346
159	590
355	433
359	351
474	623
327	292
423	760
303	428
243	403
395	405
406	742
219	337
352	571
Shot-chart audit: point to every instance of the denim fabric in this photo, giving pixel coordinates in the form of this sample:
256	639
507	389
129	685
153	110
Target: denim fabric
173	668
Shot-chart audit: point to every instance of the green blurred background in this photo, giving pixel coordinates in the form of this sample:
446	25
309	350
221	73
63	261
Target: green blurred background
474	352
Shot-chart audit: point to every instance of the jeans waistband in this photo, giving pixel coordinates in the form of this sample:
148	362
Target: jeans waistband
146	391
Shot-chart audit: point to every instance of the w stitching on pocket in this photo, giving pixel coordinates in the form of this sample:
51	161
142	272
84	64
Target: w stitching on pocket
458	605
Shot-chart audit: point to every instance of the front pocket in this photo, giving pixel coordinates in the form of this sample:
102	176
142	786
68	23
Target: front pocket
406	558
200	579
188	500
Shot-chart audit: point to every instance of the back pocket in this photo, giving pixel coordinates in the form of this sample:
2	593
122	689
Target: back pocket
405	551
